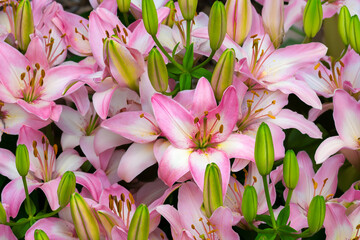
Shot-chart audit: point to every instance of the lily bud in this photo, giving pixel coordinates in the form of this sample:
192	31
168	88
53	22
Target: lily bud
354	33
40	235
223	73
344	24
170	19
3	218
157	71
123	5
188	8
150	17
212	194
249	203
312	18
86	225
239	19
290	169
264	150
217	25
22	161
316	213
24	24
66	188
139	226
273	20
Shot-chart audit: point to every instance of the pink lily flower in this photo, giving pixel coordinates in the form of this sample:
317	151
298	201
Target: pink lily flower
347	123
188	222
29	82
200	136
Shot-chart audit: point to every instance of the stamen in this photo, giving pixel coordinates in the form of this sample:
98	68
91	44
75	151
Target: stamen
317	66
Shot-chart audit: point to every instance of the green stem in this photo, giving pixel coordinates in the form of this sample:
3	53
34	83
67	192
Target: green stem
188	27
27	200
176	90
342	54
307	39
204	62
258	230
267	194
304	234
167	55
288	198
126	19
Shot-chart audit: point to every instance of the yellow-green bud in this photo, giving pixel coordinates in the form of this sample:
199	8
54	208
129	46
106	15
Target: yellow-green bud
217	25
290	169
3	218
150	17
66	188
170	19
123	5
316	213
212	193
344	24
40	235
24	24
273	20
157	71
107	221
354	33
264	150
86	225
22	161
188	8
239	19
139	226
249	203
223	73
312	18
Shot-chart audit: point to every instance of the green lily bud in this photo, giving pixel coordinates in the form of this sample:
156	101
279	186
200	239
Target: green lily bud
86	225
22	160
3	218
40	235
24	24
139	226
343	24
170	19
157	71
150	17
107	221
249	203
217	25
212	194
239	19
66	188
290	169
273	20
188	8
316	213
264	150
223	73
312	18
123	5
354	33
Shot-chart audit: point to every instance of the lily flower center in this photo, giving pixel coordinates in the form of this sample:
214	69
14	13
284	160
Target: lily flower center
93	123
122	207
51	48
315	184
207	230
85	27
118	34
333	79
203	137
46	160
33	80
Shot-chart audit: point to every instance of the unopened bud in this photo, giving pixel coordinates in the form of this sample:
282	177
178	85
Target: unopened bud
139	226
212	193
123	5
290	169
157	71
312	18
354	33
316	213
264	150
24	24
273	20
66	188
107	221
3	218
22	160
239	19
170	19
223	73
217	25
249	203
40	235
86	225
344	24
150	17
188	8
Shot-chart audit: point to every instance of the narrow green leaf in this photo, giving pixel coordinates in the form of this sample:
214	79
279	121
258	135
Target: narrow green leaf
283	216
189	57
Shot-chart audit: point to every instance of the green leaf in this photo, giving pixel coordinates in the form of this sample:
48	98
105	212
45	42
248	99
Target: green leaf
189	57
286	228
185	81
20	230
173	69
283	216
264	218
174	50
266	236
286	237
32	209
202	72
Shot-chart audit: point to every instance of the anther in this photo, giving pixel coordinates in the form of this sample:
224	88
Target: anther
141	115
122	196
22	76
217	116
221	129
341	63
319	74
55	149
317	66
271	116
196	120
37	65
28	68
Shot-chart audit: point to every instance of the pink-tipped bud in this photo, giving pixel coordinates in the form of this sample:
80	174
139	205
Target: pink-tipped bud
273	20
